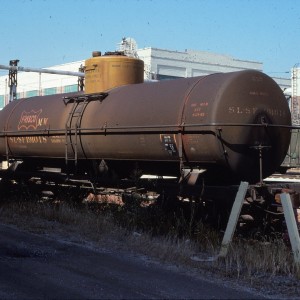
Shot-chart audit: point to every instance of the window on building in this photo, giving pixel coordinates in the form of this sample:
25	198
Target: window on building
50	91
70	88
166	77
32	93
1	101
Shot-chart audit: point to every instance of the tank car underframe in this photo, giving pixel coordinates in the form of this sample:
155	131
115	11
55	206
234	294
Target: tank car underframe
261	214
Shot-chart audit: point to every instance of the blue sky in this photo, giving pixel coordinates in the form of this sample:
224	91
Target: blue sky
42	33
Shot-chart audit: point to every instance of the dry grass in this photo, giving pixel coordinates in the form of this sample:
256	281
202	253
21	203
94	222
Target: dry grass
160	235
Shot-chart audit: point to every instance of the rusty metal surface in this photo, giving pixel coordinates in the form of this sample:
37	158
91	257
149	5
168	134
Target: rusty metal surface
34	127
105	72
217	120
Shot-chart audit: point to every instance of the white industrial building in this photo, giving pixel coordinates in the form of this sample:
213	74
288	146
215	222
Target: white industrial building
165	64
160	64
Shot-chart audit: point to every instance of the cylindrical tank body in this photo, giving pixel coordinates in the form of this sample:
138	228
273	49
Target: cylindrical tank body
221	122
106	72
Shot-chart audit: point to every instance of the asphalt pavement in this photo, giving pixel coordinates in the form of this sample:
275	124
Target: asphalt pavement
36	266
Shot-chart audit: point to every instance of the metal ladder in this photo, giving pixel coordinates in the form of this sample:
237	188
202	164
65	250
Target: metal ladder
72	129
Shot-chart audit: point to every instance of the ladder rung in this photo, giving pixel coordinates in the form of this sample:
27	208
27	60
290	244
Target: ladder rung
74	118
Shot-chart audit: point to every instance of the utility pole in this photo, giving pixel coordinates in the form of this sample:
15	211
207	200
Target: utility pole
295	97
80	80
12	80
14	68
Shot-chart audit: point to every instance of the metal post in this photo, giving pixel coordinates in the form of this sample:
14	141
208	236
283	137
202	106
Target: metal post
260	165
5	93
260	149
81	79
40	84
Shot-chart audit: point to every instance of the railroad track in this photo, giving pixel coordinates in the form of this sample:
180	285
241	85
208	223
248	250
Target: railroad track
292	177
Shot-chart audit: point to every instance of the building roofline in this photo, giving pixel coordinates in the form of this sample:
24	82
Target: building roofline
190	51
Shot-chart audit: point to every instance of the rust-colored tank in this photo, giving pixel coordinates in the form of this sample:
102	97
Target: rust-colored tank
220	122
111	70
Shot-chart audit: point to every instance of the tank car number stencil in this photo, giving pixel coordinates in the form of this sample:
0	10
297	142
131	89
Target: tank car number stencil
199	109
253	110
169	144
28	140
242	110
31	120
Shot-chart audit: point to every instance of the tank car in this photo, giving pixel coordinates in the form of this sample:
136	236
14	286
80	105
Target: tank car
227	127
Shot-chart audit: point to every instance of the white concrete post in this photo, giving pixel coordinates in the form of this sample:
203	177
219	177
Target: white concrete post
233	218
291	225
